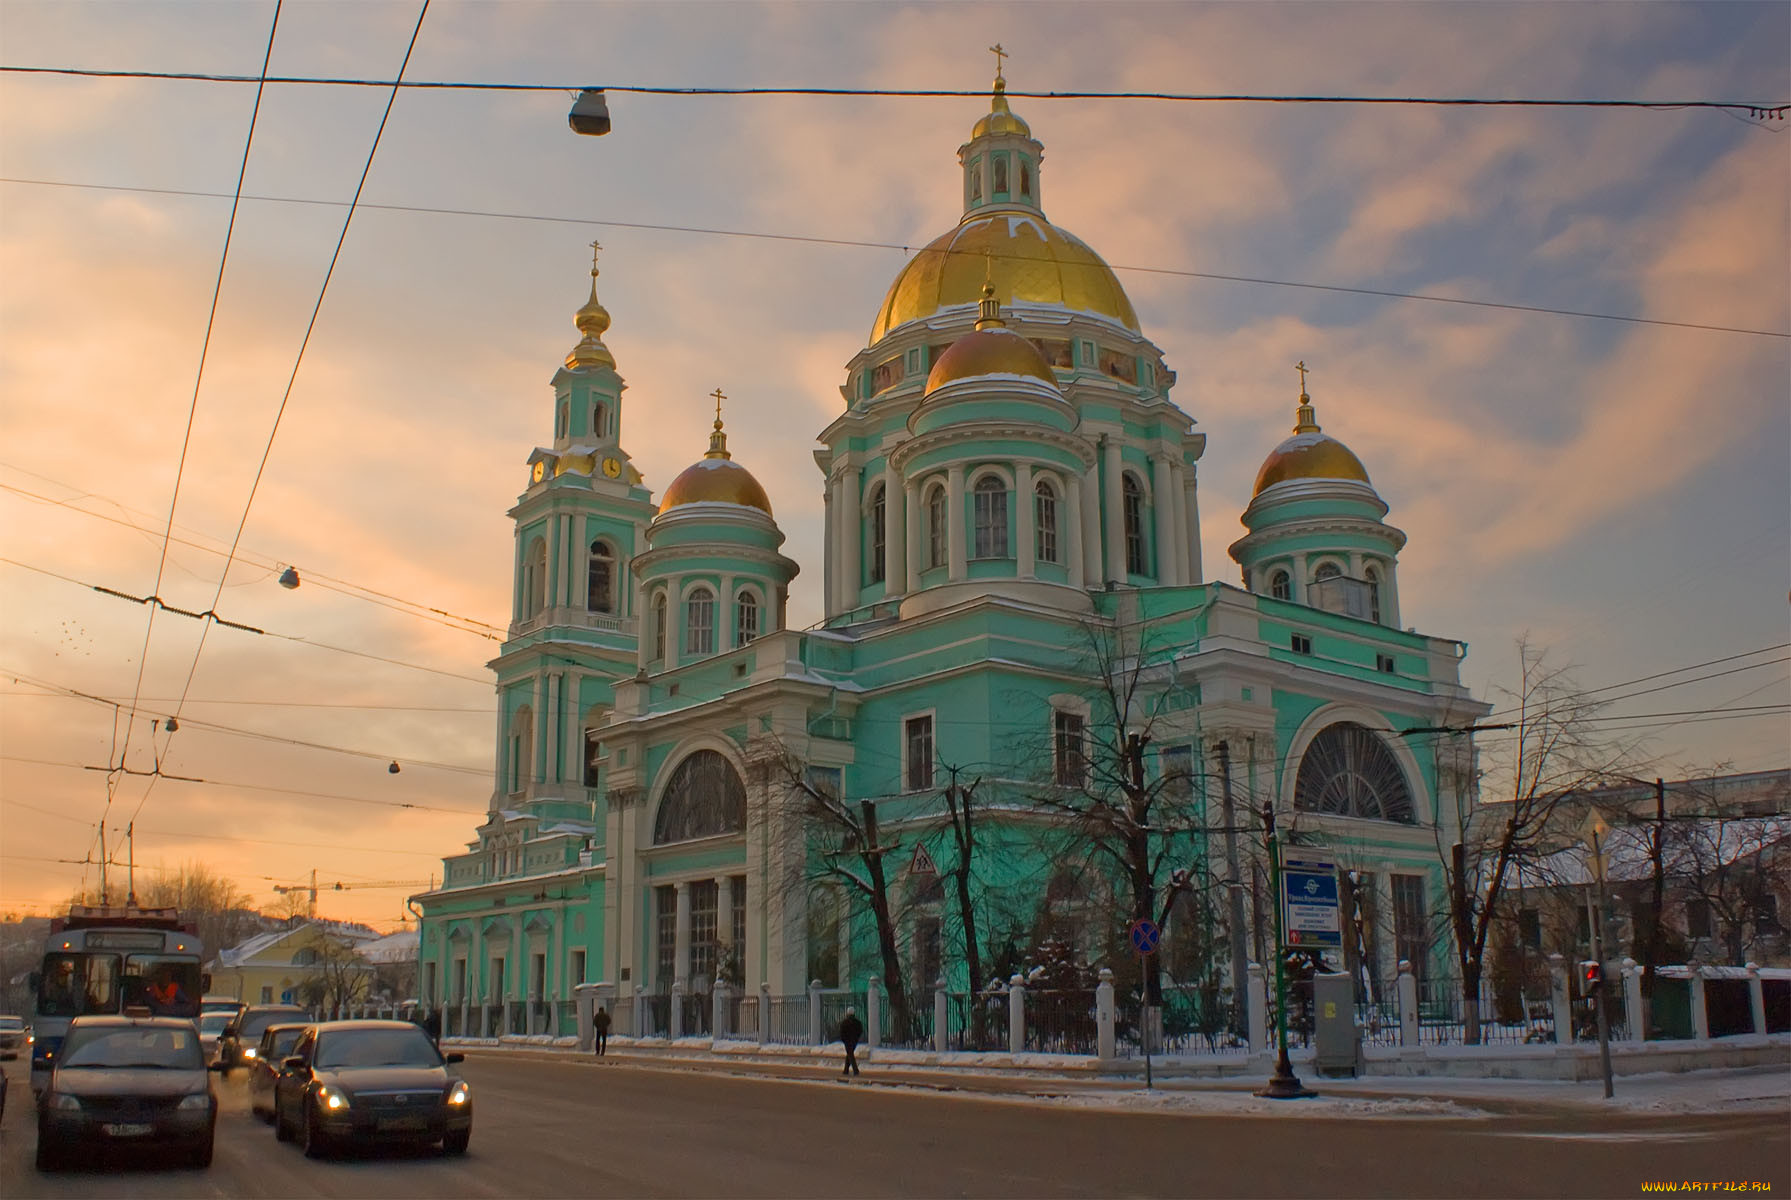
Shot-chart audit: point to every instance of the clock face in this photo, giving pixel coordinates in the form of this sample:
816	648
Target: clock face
612	467
540	472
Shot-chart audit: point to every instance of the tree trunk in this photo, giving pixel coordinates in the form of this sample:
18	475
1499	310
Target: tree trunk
886	939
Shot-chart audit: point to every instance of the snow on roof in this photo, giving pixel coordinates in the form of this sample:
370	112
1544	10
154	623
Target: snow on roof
394	947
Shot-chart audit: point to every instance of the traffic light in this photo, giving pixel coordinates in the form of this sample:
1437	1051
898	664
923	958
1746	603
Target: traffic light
1591	976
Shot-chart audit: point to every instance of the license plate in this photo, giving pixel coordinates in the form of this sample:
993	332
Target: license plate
129	1130
403	1124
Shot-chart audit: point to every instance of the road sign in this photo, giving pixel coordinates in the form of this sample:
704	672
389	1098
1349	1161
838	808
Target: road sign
1144	935
1309	910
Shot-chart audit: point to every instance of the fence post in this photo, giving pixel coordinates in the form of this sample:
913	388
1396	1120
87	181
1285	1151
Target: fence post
1104	1047
1559	1001
1016	1014
1408	1004
718	1011
873	1013
1756	997
764	1013
640	1010
675	1019
1632	1002
1699	1013
585	996
1256	1015
814	1012
941	1017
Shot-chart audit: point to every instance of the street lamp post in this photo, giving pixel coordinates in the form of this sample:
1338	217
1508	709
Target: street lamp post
1283	1084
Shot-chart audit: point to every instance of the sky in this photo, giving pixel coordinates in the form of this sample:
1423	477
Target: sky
1616	492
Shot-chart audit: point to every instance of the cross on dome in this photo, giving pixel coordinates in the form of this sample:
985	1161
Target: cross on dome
718	441
999	54
1305	420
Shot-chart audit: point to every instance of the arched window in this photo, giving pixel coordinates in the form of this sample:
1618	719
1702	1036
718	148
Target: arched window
659	619
1281	585
1348	770
1132	502
976	182
1000	184
705	798
600	579
879	533
1373	578
600	420
1044	521
936	541
559	420
699	622
991	515
1326	571
1025	180
534	580
746	618
521	755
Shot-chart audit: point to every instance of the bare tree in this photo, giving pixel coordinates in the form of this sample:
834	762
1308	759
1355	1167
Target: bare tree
1737	868
339	976
221	910
1553	754
961	815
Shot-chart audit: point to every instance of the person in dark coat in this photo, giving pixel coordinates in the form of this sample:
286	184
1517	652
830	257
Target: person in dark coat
600	1029
432	1025
851	1033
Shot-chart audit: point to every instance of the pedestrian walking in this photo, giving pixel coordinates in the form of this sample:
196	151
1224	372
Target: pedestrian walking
851	1033
432	1025
600	1029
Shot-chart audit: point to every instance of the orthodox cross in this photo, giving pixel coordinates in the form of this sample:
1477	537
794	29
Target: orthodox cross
718	399
999	54
595	247
1301	368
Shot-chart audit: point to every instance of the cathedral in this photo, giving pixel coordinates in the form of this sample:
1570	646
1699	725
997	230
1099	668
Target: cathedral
1017	615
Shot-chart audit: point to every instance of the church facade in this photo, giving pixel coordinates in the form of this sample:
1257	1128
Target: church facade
1017	616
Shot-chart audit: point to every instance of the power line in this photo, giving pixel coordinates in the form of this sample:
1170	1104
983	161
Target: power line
861	243
1761	110
1585	693
330	704
234	838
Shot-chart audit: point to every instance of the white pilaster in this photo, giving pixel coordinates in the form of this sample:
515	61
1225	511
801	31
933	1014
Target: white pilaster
954	520
681	935
895	532
1088	513
1023	520
914	545
851	535
1163	507
1116	519
724	912
829	526
1069	524
1191	520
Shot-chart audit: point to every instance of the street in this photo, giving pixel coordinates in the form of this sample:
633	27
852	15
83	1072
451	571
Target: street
570	1127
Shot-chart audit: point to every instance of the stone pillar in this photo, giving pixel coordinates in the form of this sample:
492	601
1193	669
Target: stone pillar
1104	1039
1559	1000
1699	1013
895	532
681	935
1069	526
1023	518
1191	523
1756	998
585	994
1016	1014
830	515
675	1020
1256	997
1088	506
914	543
764	1013
640	1010
724	915
941	1017
1633	1027
1408	1005
954	521
873	1012
718	1011
1178	503
1116	512
814	1012
851	536
1163	506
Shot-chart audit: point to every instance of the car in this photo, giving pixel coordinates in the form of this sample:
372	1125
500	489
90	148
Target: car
237	1044
276	1044
223	1004
363	1082
211	1027
137	1081
15	1036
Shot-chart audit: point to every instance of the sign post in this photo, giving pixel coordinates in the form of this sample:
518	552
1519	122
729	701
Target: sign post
1144	936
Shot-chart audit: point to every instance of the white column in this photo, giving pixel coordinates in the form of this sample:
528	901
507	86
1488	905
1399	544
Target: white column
575	749
1191	520
1069	524
1390	595
537	735
829	577
1023	560
554	718
1299	578
517	961
895	532
1178	500
1163	506
681	935
1088	505
915	544
724	913
851	534
1116	518
674	621
550	594
954	520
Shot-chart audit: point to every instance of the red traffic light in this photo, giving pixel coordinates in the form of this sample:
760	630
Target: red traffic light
1591	974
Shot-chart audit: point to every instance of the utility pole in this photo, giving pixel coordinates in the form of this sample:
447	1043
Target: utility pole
1234	901
1283	1084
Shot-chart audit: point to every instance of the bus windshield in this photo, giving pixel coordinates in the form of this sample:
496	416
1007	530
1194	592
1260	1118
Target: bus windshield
167	986
74	984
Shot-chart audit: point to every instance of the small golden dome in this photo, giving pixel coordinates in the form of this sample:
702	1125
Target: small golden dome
1000	119
992	350
716	481
1310	453
592	319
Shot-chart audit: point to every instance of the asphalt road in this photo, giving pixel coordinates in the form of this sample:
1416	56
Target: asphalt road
573	1128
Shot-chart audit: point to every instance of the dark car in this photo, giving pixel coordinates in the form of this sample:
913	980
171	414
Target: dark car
127	1081
360	1082
277	1042
237	1044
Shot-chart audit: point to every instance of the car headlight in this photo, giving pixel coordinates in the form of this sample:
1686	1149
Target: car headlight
65	1102
249	1052
196	1100
332	1099
460	1093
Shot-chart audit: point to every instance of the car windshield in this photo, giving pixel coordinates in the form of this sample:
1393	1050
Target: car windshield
213	1022
152	1047
254	1023
376	1048
283	1041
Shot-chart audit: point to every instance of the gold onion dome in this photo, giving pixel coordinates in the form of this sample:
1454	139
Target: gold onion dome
991	349
1310	453
716	478
592	319
1001	119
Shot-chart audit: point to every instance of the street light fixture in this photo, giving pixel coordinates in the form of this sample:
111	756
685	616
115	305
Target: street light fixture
590	113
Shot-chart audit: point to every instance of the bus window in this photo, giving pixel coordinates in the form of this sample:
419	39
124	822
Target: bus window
74	984
169	987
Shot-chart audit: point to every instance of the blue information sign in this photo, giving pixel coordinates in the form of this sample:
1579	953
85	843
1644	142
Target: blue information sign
1309	909
1145	935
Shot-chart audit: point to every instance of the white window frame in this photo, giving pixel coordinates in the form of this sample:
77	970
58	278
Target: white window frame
699	637
909	720
744	599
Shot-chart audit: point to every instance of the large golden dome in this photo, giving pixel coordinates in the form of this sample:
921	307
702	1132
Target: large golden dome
715	481
989	352
1311	455
1028	259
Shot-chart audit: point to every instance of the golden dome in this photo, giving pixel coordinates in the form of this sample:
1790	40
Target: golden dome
1000	119
1309	453
592	319
991	349
716	478
1028	259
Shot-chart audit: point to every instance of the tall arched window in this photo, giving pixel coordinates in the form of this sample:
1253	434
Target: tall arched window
600	420
704	798
699	622
600	579
746	618
659	619
534	580
991	517
521	750
1348	771
1326	571
879	533
936	542
1025	180
1373	578
559	420
1281	585
1000	186
1044	522
1132	503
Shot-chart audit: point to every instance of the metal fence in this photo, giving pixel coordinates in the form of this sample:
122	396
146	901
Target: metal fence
742	1017
1199	1020
1442	1016
915	1033
789	1020
657	1014
979	1020
621	1017
1061	1022
568	1019
834	1003
698	1012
